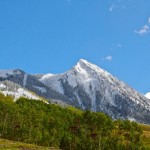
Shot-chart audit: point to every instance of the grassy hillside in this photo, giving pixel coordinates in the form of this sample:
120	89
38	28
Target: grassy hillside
146	135
12	145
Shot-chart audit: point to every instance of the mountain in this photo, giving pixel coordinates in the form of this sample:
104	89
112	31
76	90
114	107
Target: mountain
28	83
88	87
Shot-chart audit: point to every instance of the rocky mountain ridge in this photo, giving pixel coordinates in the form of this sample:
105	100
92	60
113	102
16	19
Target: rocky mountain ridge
87	86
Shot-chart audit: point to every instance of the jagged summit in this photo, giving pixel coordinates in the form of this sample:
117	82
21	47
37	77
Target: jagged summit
84	62
83	66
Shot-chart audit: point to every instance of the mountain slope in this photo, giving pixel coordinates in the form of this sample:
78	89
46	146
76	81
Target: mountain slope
91	87
10	88
31	83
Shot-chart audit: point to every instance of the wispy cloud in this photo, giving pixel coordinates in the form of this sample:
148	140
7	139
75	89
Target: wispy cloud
115	47
112	7
119	45
108	58
118	4
145	29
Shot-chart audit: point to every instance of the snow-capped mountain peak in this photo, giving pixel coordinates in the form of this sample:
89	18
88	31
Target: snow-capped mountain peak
89	68
87	65
91	87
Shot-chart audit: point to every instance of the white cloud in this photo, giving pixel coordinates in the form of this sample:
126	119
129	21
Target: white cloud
143	30
118	4
112	7
108	58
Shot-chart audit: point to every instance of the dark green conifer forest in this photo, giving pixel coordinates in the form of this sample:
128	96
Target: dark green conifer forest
33	121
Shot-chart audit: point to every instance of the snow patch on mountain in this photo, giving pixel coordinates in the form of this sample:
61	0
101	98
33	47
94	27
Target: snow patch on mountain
9	88
2	86
147	95
47	76
55	83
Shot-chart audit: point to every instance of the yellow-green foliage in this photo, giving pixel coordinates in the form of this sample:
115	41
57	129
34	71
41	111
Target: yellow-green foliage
146	135
75	110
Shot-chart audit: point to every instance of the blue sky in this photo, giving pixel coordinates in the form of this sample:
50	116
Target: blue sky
41	36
